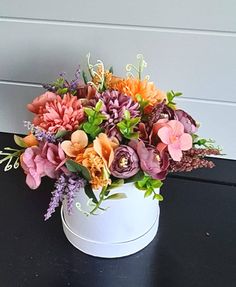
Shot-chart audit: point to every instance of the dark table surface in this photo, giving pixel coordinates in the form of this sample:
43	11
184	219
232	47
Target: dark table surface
195	245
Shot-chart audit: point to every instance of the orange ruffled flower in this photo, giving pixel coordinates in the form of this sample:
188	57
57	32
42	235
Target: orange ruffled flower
60	114
96	166
133	87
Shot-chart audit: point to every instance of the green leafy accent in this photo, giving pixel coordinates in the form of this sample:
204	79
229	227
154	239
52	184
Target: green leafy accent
89	192
137	177
143	103
127	126
207	143
116	196
84	77
61	134
111	70
101	199
149	185
78	168
19	141
170	97
94	120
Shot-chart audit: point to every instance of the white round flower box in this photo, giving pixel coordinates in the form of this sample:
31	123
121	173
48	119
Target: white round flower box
127	226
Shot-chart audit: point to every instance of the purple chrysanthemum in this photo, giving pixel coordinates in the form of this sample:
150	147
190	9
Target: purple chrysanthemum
65	188
114	105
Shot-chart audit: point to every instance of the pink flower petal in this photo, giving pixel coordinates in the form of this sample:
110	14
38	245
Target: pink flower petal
164	134
186	141
175	153
177	127
33	180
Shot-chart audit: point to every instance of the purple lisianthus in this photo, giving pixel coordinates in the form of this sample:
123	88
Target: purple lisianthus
151	162
190	126
125	163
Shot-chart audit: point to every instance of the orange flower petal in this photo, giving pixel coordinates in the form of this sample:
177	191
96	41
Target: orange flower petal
68	148
80	137
30	140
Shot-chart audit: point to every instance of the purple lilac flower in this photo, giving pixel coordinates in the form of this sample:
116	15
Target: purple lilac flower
42	135
71	86
114	105
74	184
65	188
125	163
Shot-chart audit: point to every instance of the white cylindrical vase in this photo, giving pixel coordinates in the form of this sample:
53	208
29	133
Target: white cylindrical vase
125	227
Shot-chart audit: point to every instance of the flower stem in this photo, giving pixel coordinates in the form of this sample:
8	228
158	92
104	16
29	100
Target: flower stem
101	196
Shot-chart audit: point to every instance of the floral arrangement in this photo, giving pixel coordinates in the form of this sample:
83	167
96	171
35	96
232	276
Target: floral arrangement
94	135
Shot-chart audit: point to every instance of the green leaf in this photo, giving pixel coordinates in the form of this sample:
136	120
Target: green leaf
158	197
111	70
126	114
115	184
62	91
61	134
155	183
89	192
84	77
135	121
137	177
148	192
85	172
98	106
72	165
89	112
76	167
116	196
121	125
19	141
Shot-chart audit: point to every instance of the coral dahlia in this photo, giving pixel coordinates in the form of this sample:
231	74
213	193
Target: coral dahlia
60	114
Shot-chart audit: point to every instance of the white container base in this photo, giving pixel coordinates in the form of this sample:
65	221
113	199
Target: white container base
127	226
106	249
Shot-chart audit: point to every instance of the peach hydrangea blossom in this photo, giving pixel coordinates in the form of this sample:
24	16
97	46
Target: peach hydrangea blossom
174	138
79	140
61	113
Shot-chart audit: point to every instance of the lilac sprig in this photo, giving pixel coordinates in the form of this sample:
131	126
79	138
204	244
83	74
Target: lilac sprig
42	135
64	188
62	86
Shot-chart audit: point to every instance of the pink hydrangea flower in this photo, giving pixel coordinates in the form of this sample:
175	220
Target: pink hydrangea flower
174	138
45	160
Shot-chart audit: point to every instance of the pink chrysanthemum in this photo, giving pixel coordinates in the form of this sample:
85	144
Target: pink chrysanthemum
60	114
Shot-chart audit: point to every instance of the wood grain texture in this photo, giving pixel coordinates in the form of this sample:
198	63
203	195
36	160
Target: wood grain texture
209	15
201	65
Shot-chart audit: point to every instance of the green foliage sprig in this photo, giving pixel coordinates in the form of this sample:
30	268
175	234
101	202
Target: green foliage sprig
170	97
94	120
127	126
206	143
149	185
